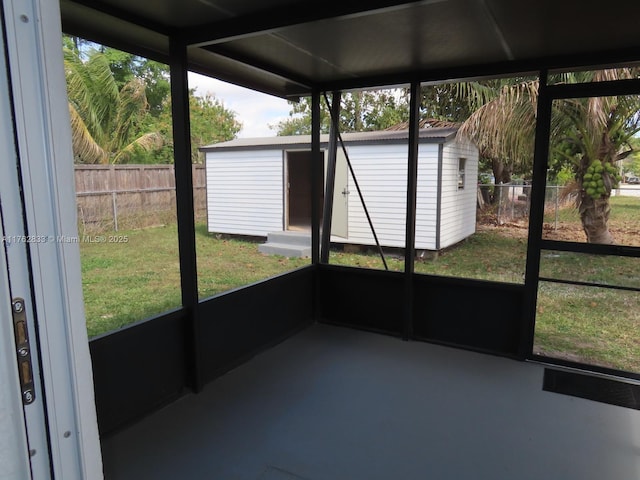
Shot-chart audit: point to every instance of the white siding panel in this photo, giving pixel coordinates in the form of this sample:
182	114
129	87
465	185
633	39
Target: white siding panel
426	198
244	192
458	207
381	172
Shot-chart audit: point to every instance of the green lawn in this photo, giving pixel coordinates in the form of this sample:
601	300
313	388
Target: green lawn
128	281
131	280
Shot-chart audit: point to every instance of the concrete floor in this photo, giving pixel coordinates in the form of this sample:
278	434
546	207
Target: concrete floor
337	404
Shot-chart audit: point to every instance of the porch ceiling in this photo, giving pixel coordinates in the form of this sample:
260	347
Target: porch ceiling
288	47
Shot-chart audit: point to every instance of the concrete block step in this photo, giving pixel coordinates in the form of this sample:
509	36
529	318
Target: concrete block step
290	238
285	249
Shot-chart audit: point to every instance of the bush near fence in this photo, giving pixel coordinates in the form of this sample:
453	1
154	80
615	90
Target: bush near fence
124	197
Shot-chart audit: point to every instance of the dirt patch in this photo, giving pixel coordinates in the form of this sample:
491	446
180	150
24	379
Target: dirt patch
521	230
622	234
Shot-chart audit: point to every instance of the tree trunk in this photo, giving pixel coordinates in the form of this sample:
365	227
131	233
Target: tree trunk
595	219
501	173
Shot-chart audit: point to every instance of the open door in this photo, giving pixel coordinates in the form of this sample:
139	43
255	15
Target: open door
340	216
298	190
298	193
48	426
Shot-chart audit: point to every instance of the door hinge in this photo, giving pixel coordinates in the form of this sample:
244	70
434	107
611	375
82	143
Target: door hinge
23	351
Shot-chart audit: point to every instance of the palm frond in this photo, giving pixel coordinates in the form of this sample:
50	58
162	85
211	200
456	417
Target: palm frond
504	127
92	91
149	142
85	148
131	106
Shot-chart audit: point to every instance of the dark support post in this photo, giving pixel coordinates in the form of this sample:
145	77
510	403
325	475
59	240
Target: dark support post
185	206
536	216
317	171
327	211
316	158
412	185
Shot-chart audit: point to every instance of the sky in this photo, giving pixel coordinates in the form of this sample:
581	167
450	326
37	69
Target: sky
255	110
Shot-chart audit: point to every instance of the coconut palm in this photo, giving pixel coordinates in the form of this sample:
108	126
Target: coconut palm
494	105
103	117
592	133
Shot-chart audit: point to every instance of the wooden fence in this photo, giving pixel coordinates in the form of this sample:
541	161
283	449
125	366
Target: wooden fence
122	197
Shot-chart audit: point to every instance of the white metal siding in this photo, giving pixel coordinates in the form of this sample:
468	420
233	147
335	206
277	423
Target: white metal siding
458	206
427	194
244	192
381	172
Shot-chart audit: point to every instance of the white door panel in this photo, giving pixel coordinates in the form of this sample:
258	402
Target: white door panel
340	217
14	253
38	205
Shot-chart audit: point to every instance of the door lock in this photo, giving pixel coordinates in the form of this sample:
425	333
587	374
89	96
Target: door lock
23	351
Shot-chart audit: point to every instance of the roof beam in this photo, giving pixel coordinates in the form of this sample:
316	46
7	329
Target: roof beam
124	15
281	17
498	31
259	65
595	60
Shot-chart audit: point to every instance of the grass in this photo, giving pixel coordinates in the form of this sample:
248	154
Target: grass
589	324
483	256
625	211
130	280
127	281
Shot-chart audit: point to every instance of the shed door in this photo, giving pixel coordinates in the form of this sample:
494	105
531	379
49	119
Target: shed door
340	217
298	190
298	193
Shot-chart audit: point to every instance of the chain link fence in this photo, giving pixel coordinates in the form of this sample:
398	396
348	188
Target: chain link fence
511	203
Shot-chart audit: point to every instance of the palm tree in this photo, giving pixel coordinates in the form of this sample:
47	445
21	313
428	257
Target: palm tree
592	133
103	117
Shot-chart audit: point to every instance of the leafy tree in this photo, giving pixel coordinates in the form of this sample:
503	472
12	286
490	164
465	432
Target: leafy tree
359	111
126	67
458	101
121	109
632	163
210	122
104	118
379	110
447	101
591	134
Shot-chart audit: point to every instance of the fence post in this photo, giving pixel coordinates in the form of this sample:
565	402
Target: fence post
557	202
513	202
499	194
115	210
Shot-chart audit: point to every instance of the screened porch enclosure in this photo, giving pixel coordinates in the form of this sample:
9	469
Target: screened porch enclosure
336	372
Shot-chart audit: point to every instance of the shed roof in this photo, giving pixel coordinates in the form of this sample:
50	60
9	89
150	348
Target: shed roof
427	135
291	47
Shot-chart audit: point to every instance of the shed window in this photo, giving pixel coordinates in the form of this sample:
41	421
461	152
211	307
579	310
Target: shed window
461	165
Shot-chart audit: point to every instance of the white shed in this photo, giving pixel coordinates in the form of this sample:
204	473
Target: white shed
257	186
